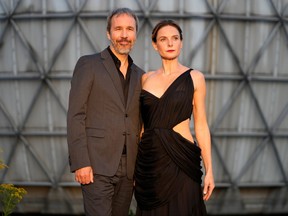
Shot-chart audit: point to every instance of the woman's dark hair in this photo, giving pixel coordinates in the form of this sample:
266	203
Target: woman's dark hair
163	23
120	11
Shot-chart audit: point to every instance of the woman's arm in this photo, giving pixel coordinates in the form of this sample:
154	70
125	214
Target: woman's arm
202	131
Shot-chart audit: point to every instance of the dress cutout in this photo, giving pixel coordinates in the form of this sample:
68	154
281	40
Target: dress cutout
168	167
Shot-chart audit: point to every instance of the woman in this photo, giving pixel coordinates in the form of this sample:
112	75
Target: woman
168	167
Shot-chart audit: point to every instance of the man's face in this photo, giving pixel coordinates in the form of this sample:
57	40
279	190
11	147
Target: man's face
122	34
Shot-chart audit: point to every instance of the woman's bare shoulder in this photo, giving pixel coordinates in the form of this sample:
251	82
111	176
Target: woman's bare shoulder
147	75
198	78
197	73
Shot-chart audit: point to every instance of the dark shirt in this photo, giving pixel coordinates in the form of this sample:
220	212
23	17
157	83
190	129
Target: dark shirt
124	81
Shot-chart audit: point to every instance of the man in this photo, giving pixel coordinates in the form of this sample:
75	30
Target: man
103	122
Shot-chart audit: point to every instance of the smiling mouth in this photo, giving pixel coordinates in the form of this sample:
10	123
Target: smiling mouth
123	42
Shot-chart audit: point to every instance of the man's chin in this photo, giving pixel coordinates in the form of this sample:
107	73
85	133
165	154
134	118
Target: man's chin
124	51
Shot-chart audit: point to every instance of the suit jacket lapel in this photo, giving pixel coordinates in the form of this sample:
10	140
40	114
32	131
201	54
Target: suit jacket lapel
112	71
132	85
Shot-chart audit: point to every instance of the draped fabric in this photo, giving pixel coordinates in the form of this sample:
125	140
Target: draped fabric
168	166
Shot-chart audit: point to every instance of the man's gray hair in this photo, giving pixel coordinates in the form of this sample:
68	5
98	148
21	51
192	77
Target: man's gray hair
119	11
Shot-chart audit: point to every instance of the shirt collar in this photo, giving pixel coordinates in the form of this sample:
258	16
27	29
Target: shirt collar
117	61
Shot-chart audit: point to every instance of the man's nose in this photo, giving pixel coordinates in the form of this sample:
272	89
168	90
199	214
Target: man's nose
124	33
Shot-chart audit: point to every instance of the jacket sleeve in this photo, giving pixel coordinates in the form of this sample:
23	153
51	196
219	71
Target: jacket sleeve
78	97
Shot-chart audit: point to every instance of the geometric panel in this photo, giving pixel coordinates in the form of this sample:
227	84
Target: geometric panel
240	46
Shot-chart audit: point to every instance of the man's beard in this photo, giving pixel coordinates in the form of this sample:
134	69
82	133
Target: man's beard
120	49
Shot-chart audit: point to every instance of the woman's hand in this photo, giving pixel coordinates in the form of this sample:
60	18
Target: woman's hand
208	186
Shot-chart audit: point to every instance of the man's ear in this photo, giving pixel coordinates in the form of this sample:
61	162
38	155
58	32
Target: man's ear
108	35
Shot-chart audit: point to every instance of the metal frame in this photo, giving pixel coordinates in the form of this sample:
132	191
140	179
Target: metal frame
146	15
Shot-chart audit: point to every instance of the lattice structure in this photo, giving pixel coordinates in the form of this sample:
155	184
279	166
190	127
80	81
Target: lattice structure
240	46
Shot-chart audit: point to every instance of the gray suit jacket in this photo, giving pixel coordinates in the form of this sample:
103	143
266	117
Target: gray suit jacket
98	120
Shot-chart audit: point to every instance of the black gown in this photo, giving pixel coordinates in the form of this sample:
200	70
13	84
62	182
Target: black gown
168	167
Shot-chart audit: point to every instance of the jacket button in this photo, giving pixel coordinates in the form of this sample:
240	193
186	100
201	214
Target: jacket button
126	115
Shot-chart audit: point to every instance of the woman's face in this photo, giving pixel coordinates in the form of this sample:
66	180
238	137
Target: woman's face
168	43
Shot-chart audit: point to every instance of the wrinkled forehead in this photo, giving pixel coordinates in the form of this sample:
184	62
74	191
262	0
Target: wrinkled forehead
123	18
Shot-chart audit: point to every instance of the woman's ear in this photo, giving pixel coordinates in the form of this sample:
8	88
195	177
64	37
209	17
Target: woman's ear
154	45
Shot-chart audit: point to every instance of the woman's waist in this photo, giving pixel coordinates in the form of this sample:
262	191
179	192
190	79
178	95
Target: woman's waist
178	131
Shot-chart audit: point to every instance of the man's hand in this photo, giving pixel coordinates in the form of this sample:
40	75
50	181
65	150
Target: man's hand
84	175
